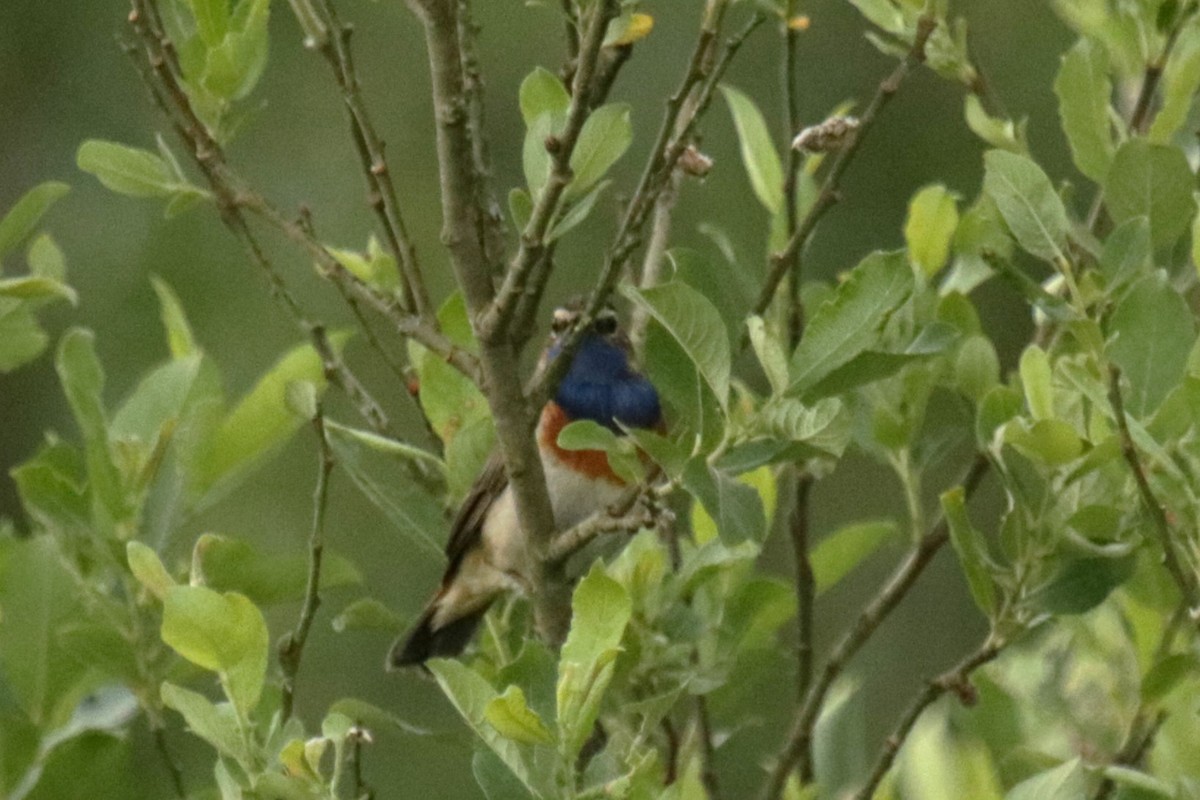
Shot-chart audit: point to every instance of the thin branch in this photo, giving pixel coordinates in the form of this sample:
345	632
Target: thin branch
707	750
168	759
1141	116
620	517
497	320
797	749
674	136
161	72
798	526
655	258
783	261
291	646
1144	727
1141	737
791	114
1187	586
956	680
362	791
492	233
335	47
461	232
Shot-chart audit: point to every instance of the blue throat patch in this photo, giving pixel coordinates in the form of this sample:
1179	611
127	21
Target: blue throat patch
601	386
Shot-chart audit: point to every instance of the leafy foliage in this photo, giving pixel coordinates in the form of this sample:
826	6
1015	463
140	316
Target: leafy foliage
1083	572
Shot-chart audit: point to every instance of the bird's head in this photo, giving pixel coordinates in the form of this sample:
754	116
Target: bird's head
602	383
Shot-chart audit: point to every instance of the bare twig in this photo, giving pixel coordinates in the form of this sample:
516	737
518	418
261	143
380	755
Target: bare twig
783	262
797	749
707	749
291	646
1141	116
160	68
335	47
462	233
497	320
805	587
679	122
791	119
620	517
956	680
492	233
655	258
1162	526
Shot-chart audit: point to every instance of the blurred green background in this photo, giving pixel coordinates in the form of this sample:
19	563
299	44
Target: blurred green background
64	78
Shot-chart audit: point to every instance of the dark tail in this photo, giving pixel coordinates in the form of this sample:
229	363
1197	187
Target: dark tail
423	642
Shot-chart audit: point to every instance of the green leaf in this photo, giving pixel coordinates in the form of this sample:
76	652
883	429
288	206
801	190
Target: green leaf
82	379
1180	82
871	366
367	613
695	324
215	724
495	779
234	65
1127	252
542	93
758	151
411	508
1027	201
449	399
622	456
33	287
130	170
995	131
212	19
1139	785
971	549
1150	336
148	569
604	138
45	259
1084	91
21	339
23	218
600	611
1082	584
513	719
38	596
520	207
735	507
261	422
1053	441
227	564
1037	380
1067	781
535	160
1155	181
1167	674
770	352
932	219
471	694
180	339
576	213
850	322
158	403
224	633
976	367
840	552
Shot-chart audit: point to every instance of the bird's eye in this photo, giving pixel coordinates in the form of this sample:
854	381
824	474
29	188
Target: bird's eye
563	320
605	324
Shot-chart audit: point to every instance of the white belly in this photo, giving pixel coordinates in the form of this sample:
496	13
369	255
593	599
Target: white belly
574	498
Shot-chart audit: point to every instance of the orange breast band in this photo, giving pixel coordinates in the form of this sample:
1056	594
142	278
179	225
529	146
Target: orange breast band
592	463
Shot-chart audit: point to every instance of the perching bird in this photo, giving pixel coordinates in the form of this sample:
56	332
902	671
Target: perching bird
485	553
